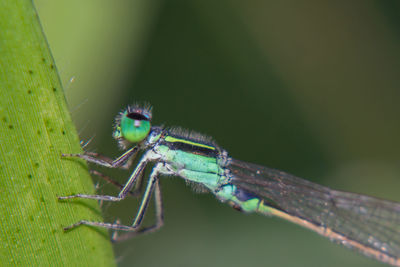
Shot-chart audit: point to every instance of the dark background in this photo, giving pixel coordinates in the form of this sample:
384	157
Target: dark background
311	88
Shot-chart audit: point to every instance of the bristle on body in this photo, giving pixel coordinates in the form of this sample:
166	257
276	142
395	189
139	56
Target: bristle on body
191	136
144	109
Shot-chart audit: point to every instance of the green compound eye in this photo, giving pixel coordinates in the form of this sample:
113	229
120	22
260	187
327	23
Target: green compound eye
134	127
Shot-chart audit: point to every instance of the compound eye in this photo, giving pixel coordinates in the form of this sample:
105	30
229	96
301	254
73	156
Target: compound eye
134	127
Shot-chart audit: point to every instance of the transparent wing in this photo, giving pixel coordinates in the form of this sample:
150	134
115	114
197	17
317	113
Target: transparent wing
366	224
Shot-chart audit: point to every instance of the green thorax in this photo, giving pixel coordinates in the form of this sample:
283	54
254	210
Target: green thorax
192	156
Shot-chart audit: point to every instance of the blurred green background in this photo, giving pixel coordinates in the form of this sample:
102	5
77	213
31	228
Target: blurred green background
308	87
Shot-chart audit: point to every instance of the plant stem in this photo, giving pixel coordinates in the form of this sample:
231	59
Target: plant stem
35	128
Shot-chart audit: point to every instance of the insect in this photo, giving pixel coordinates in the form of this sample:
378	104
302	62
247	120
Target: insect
368	225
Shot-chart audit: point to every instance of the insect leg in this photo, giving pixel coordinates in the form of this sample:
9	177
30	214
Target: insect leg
145	230
127	187
140	214
124	161
133	193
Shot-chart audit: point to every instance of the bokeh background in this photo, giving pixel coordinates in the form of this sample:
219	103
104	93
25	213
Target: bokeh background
308	87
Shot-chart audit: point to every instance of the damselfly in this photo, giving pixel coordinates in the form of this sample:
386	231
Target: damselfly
368	225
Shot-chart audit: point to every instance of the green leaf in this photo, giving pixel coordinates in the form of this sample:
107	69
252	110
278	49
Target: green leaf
35	128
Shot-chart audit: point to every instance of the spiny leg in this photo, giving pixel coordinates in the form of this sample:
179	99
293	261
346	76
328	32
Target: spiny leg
122	194
139	216
138	184
136	192
145	230
124	161
85	144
